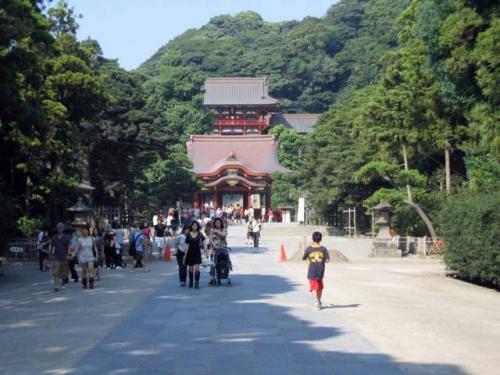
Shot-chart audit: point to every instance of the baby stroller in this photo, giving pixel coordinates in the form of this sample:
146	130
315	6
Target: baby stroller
222	267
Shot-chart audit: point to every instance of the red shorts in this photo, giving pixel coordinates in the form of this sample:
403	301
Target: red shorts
315	284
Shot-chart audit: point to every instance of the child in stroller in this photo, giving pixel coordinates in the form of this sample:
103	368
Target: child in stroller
222	267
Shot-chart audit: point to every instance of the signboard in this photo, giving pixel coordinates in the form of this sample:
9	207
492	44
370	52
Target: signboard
301	214
256	200
16	249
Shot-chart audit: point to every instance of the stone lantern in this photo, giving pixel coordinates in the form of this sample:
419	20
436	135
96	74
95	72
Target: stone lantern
83	216
384	245
383	213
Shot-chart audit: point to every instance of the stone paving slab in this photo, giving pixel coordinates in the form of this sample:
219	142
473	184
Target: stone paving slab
144	323
264	324
43	332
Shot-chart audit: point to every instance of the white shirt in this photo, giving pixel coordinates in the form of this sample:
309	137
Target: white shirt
255	226
39	240
182	243
120	238
85	254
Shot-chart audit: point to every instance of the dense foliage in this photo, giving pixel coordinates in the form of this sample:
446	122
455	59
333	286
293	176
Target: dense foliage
308	63
68	115
469	222
438	93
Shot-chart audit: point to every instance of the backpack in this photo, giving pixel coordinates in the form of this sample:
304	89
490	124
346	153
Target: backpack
132	251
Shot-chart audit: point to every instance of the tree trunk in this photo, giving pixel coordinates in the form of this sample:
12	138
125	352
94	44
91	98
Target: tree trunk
447	167
405	159
410	201
424	217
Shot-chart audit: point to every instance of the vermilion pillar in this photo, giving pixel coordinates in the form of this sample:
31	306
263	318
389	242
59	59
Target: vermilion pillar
268	199
218	199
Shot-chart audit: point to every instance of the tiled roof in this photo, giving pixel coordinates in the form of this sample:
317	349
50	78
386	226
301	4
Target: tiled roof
258	153
302	122
237	91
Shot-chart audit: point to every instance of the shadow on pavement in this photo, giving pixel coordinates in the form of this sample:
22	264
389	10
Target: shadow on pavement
260	326
352	305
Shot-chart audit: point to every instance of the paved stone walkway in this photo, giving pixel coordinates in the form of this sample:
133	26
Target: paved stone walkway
264	324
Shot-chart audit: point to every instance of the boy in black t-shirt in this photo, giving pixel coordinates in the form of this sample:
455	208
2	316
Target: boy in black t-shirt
317	256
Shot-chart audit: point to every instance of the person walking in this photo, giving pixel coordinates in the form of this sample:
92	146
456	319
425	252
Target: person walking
174	223
110	248
248	227
317	255
60	250
39	240
195	241
148	247
86	258
138	238
217	237
170	216
159	235
43	244
237	214
72	259
98	246
180	253
119	240
255	227
270	216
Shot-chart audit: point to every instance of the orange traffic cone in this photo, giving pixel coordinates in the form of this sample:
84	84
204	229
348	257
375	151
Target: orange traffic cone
166	253
282	254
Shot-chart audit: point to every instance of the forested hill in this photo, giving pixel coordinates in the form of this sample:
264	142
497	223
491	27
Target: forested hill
309	62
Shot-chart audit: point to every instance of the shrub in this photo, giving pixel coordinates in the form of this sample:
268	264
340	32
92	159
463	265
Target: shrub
470	227
28	226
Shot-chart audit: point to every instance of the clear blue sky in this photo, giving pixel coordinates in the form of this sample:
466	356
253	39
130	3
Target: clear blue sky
132	30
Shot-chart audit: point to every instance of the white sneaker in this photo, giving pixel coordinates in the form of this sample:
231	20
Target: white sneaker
118	268
317	305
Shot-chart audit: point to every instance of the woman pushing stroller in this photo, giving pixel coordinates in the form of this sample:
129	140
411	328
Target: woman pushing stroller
218	234
219	253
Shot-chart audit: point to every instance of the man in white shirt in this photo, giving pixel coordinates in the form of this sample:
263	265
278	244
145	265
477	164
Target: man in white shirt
256	227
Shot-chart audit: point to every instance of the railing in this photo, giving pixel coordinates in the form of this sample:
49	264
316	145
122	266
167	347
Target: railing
422	246
239	122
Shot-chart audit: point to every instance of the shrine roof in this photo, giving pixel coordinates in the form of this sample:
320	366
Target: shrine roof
303	123
225	91
257	153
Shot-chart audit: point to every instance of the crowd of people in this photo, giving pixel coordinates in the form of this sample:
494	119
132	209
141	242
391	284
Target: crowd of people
70	246
190	233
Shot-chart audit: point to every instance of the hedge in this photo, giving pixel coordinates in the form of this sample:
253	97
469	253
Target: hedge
469	224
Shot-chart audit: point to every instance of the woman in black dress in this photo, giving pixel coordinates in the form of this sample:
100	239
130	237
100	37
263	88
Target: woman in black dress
196	242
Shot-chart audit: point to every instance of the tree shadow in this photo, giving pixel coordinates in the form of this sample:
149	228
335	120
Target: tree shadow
263	325
58	327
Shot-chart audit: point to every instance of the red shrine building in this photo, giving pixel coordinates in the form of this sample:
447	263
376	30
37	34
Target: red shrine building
236	162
